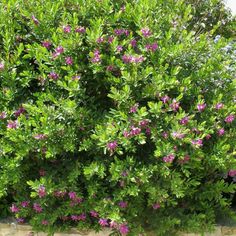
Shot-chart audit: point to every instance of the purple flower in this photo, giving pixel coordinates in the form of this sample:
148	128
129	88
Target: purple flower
186	159
143	123
25	204
184	121
178	135
134	108
208	136
165	135
72	195
132	59
103	222
169	158
174	105
151	47
42	191
69	60
221	132
119	32
44	222
110	68
3	115
20	220
14	208
113	224
119	48
100	40
94	214
20	111
37	207
165	99
75	217
82	217
110	39
232	173
197	142
133	43
96	56
12	124
148	131
46	44
124	229
53	75
135	131
156	206
112	145
201	107
219	106
40	136
126	134
123	204
59	49
35	20
76	77
229	119
66	29
80	29
1	66
146	32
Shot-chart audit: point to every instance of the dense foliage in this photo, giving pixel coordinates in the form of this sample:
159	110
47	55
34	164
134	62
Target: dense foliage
117	115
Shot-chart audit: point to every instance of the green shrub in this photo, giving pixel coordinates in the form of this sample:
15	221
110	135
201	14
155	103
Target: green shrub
116	115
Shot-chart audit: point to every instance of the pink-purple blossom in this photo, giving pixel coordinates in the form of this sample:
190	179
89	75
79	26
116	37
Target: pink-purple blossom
201	107
94	214
44	222
40	136
80	29
1	66
35	20
221	132
184	121
72	195
41	191
133	43
100	40
151	47
59	49
112	145
148	131
175	105
103	222
178	135
119	32
208	136
134	108
46	44
66	29
119	48
169	158
185	160
219	106
14	208
12	124
132	59
197	142
37	207
229	118
69	60
165	99
20	220
25	204
143	123
156	206
110	39
124	229
53	75
146	32
232	173
20	111
3	115
76	77
123	204
96	56
165	135
135	131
